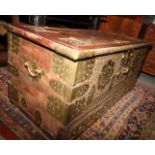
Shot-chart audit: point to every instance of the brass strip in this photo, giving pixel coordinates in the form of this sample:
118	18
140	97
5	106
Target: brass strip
84	70
3	30
106	75
12	69
13	43
61	89
12	93
57	108
69	93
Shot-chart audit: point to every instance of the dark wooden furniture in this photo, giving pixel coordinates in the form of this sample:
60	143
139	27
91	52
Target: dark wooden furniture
133	26
149	65
3	37
126	25
3	45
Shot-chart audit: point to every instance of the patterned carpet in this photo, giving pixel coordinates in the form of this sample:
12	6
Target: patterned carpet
133	117
128	118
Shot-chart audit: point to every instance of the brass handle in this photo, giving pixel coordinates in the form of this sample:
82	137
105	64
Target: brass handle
125	70
33	70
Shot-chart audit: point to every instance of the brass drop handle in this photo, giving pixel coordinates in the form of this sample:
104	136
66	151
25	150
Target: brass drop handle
125	70
33	70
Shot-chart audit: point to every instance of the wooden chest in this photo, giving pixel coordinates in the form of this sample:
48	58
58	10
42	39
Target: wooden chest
64	79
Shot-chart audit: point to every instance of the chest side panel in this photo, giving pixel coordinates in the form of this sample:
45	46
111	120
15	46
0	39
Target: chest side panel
32	76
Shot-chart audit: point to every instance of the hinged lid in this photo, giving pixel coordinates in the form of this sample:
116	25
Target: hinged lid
76	43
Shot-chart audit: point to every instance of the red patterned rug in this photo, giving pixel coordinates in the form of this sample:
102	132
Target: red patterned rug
133	117
128	118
